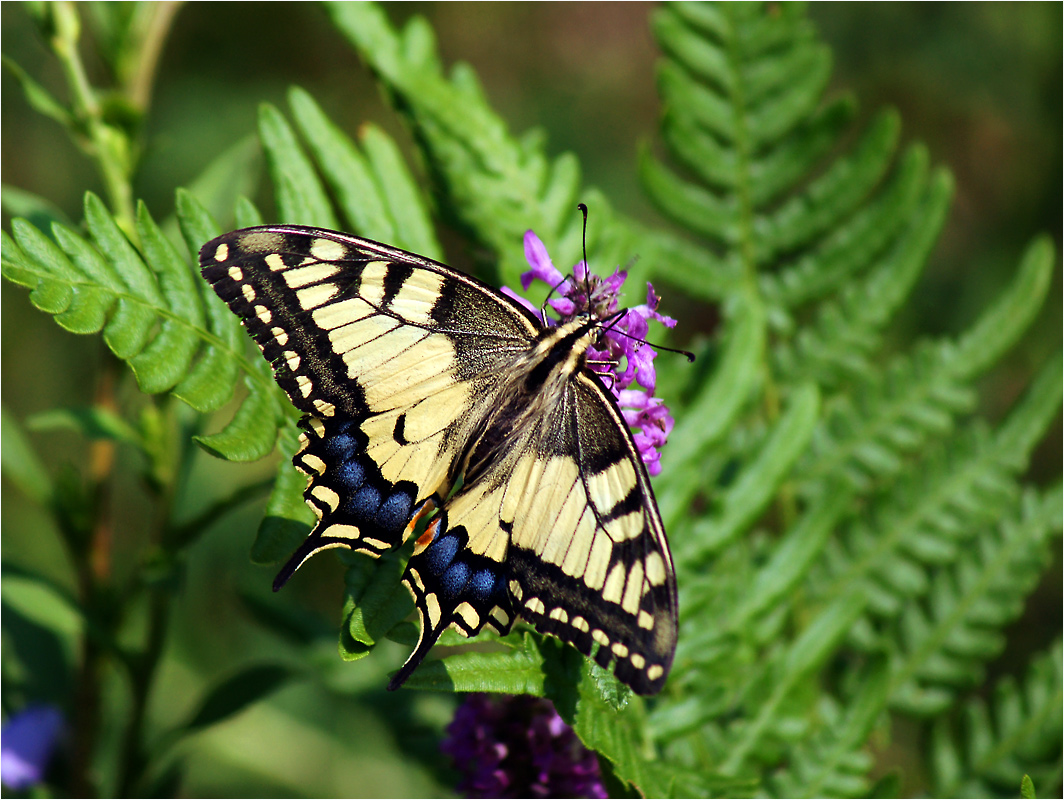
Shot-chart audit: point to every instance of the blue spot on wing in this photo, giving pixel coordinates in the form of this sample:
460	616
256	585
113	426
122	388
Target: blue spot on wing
394	512
454	579
364	503
351	474
341	445
483	583
441	553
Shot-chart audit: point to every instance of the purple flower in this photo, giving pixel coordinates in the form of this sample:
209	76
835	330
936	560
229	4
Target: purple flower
620	355
519	747
27	742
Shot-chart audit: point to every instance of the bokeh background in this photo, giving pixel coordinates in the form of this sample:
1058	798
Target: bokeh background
980	84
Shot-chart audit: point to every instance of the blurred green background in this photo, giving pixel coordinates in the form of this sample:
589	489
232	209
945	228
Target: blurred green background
979	84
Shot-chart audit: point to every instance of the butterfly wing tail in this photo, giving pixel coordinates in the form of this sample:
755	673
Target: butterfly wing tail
452	586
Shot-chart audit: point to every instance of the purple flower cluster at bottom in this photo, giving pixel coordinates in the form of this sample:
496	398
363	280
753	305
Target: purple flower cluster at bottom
507	746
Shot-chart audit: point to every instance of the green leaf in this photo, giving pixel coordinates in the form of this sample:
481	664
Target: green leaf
42	602
38	211
758	483
288	519
21	464
232	174
236	693
517	670
375	606
1001	325
301	199
92	423
1015	729
252	432
39	98
1027	788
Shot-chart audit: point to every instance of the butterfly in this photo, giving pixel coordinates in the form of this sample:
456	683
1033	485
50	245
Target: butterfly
429	396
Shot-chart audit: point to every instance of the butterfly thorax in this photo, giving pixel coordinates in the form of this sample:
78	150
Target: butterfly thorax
533	387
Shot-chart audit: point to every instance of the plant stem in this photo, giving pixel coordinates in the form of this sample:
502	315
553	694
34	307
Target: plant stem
152	38
108	146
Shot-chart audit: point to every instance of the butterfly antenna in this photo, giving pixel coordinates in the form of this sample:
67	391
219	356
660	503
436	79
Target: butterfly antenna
611	326
620	314
587	268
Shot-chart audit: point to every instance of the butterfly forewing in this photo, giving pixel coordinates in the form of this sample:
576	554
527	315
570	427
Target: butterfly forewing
413	376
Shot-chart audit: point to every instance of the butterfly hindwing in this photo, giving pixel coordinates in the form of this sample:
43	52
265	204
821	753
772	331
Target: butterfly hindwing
414	377
570	512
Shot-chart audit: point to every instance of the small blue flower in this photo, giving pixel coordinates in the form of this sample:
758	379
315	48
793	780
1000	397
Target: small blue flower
27	742
519	747
626	359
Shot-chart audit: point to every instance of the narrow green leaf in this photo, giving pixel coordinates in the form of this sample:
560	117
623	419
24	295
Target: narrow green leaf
1027	422
402	197
40	601
116	248
687	204
236	693
517	670
233	173
252	432
715	407
772	173
166	360
38	211
852	246
301	199
780	114
197	223
247	215
357	191
706	108
698	54
382	604
20	461
39	98
815	644
93	423
793	556
759	482
1001	325
129	329
87	312
1027	788
833	195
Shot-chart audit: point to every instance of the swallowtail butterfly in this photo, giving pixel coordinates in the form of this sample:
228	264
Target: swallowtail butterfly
414	378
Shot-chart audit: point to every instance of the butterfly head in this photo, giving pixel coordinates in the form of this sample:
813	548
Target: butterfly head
618	351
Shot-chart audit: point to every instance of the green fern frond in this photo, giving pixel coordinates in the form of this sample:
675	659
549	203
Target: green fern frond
945	642
835	348
928	516
153	311
833	761
838	241
493	185
990	743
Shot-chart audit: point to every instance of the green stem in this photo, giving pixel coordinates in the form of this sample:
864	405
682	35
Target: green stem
109	146
151	37
133	759
172	455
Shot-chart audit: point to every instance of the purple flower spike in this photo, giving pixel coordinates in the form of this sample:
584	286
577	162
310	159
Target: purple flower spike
621	355
27	742
519	747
